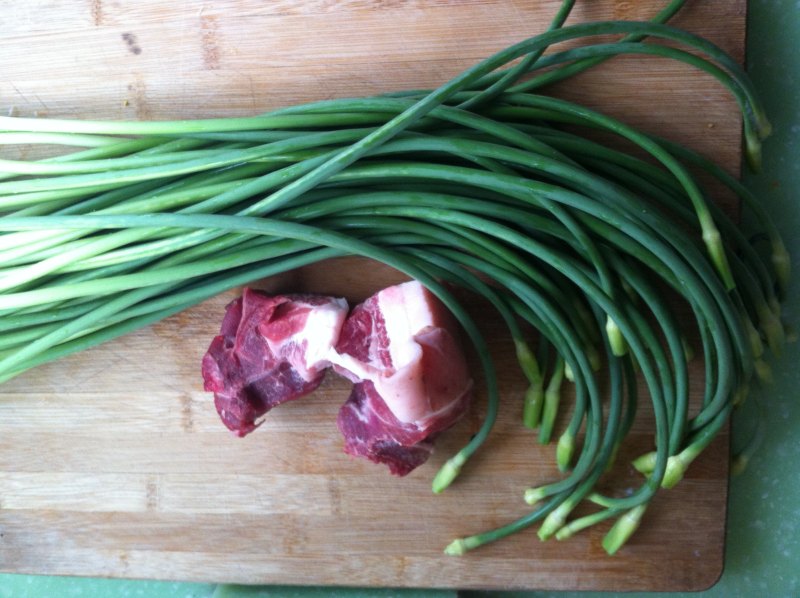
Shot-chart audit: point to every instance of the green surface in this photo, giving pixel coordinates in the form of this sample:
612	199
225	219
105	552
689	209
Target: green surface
763	550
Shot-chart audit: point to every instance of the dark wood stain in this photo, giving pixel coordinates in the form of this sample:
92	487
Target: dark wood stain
138	90
152	494
96	9
187	415
209	30
132	43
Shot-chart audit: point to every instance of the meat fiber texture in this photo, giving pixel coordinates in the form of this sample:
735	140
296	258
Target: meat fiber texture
411	379
270	349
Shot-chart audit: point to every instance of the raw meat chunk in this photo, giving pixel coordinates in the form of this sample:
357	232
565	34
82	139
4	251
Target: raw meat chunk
270	349
371	430
411	377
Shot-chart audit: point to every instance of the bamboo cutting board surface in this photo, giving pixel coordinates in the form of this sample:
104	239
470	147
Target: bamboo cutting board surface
113	462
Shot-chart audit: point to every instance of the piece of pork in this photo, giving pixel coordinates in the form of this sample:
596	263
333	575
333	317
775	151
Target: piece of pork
411	378
270	349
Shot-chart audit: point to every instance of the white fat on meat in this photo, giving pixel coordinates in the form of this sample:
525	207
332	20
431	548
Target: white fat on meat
427	374
307	347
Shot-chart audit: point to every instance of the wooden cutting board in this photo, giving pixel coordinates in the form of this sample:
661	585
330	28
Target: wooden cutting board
113	462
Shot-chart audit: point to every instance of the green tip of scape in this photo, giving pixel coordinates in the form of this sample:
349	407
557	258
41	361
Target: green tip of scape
527	362
763	371
564	451
532	407
754	338
764	126
448	473
615	338
752	150
740	395
622	529
534	495
739	464
676	468
688	350
775	306
552	523
564	533
782	263
646	463
457	547
594	357
774	331
716	252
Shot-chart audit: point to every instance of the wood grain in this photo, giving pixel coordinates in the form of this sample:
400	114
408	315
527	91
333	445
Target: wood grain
113	462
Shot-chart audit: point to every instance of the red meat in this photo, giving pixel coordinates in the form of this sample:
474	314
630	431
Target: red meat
411	377
270	349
